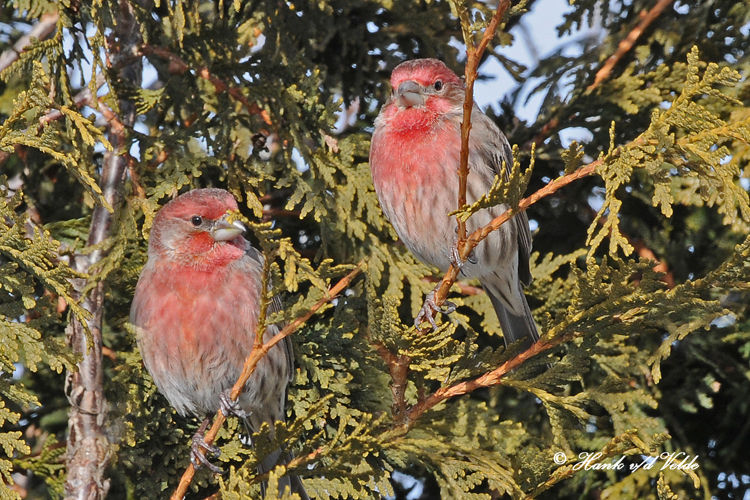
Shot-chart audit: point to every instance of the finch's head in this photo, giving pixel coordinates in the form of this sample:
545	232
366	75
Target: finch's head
424	92
425	82
194	229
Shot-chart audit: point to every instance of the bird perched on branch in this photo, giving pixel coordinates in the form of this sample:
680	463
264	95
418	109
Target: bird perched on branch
414	158
196	307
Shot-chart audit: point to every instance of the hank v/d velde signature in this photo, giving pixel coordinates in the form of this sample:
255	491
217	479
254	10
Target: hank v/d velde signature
676	460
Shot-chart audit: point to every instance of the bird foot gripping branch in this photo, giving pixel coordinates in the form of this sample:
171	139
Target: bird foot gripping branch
197	455
455	256
230	407
431	308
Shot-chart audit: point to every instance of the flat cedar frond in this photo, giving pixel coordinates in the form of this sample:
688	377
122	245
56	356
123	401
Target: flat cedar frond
27	261
686	140
25	127
732	274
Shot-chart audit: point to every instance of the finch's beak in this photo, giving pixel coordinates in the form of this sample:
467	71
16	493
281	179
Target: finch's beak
226	231
409	94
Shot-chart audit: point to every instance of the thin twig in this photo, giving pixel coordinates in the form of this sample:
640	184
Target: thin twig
473	58
489	379
83	98
645	252
177	67
627	44
276	195
252	362
106	351
463	288
115	125
275	213
604	72
40	31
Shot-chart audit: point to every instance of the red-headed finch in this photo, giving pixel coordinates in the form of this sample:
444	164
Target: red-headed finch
196	307
414	159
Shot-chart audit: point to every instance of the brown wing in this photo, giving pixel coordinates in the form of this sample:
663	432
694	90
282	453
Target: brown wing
274	307
503	155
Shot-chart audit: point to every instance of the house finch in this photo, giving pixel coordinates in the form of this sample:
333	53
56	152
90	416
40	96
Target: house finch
196	307
414	159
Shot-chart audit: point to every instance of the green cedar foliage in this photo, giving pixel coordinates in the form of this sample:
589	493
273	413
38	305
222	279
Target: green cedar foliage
245	97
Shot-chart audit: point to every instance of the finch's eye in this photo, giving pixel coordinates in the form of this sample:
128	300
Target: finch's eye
438	85
196	220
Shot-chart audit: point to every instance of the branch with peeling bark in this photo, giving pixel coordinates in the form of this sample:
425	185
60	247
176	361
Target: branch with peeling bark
88	450
260	350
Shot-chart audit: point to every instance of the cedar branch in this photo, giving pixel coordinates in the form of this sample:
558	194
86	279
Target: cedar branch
177	67
489	379
81	99
41	30
623	48
643	252
252	362
553	338
627	44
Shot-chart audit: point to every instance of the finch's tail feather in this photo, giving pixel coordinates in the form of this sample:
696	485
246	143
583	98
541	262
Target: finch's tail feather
293	483
298	487
514	327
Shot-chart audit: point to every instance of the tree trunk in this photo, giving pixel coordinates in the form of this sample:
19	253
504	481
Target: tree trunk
88	444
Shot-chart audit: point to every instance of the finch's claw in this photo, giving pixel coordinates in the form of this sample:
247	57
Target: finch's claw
449	306
198	457
430	308
229	407
455	258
